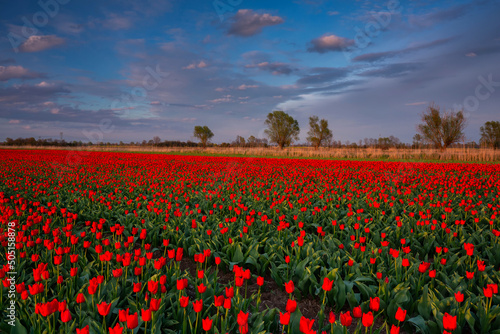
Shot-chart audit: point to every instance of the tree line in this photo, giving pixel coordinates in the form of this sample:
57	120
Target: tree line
437	129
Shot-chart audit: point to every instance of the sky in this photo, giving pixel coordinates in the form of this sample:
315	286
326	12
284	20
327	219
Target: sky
126	70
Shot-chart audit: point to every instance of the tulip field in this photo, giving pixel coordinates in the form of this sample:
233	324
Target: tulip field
115	243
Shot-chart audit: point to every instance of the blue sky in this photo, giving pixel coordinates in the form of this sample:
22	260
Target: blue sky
130	70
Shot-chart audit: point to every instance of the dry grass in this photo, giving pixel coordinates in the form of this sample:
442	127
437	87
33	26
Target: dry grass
451	154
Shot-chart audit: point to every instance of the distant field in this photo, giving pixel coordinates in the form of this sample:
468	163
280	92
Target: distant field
393	154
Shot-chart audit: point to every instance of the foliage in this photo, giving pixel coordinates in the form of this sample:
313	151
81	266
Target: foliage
203	133
282	128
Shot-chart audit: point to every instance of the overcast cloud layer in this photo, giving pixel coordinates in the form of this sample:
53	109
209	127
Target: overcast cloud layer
130	70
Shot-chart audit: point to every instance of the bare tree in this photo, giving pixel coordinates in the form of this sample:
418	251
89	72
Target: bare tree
442	129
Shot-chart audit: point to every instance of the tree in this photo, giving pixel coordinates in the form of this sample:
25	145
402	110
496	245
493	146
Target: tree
240	141
203	133
156	140
490	134
417	139
282	129
442	130
319	133
252	141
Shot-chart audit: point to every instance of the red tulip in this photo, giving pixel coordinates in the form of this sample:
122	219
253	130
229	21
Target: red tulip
400	314
356	312
289	287
103	308
331	317
155	304
305	325
227	303
182	284
116	330
459	297
184	301
242	321
207	324
153	287
178	254
123	314
394	330
132	321
218	301
291	306
423	267
198	305
117	272
374	304
202	288
61	306
80	298
229	292
260	281
65	316
238	281
327	284
367	319
146	315
285	318
449	322
480	265
469	248
84	330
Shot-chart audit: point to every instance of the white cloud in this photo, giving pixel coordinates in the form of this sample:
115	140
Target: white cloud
192	66
117	22
246	22
226	98
39	43
329	42
244	87
17	72
44	84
